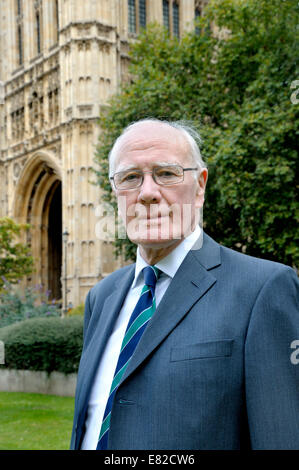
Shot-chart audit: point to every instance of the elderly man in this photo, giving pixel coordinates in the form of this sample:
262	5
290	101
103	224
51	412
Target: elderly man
189	348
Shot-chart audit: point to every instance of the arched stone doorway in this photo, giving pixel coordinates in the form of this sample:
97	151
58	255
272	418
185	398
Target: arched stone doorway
51	242
38	202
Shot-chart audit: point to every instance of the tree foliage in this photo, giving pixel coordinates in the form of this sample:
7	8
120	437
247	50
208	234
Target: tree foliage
233	81
15	259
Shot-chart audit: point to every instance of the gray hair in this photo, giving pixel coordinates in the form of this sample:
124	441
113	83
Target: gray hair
189	131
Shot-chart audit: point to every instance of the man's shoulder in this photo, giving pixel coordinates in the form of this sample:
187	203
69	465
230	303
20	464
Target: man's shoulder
242	262
251	261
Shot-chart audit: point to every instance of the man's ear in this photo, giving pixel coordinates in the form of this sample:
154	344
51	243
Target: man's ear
202	181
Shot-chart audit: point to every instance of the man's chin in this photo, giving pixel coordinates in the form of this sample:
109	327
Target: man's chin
152	240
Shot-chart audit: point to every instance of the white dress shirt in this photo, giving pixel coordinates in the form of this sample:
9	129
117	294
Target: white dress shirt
104	376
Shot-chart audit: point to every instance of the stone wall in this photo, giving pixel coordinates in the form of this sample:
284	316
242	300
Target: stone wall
28	381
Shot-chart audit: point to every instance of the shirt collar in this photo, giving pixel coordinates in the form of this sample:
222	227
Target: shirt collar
171	263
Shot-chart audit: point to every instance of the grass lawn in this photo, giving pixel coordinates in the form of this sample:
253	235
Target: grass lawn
30	421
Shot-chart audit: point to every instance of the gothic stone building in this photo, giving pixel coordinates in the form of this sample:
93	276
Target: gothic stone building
60	61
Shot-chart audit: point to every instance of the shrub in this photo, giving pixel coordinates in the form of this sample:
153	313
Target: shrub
79	310
17	304
44	344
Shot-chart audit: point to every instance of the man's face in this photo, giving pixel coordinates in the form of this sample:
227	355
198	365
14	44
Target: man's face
157	216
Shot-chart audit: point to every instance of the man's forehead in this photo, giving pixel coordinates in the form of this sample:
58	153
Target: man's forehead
146	135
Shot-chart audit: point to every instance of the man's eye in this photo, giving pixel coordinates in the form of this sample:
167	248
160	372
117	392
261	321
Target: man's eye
166	173
130	177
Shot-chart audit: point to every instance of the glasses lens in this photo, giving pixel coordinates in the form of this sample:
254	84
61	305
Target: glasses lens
169	174
128	179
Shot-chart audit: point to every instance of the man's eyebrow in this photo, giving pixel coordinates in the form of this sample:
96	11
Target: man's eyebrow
125	168
134	167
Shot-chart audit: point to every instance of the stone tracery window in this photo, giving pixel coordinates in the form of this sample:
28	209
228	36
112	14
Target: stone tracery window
19	32
17	117
136	15
36	111
19	7
56	105
53	105
142	13
171	16
57	20
166	13
20	45
175	19
38	38
38	26
132	16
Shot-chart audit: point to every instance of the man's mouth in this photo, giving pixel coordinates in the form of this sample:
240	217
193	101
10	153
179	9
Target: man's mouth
155	214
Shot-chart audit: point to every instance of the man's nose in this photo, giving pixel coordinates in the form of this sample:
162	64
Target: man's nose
149	190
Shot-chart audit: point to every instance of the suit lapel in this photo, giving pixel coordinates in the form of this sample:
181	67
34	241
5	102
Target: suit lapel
191	282
103	329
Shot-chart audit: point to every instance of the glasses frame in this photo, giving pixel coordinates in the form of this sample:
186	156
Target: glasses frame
142	173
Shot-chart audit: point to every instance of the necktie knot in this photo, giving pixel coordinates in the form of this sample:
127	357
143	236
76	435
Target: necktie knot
150	274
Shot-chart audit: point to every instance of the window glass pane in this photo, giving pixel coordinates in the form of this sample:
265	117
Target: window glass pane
20	45
19	7
142	13
176	19
38	33
166	13
132	16
57	19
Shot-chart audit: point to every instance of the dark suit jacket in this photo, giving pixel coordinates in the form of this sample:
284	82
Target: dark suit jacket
213	368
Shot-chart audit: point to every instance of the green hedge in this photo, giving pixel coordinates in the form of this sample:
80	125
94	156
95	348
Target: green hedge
44	344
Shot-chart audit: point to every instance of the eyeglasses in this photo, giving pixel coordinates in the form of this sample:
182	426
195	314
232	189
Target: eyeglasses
162	175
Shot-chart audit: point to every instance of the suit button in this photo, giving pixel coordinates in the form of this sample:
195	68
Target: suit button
123	401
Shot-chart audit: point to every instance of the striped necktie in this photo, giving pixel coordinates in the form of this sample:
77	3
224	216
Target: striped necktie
139	319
